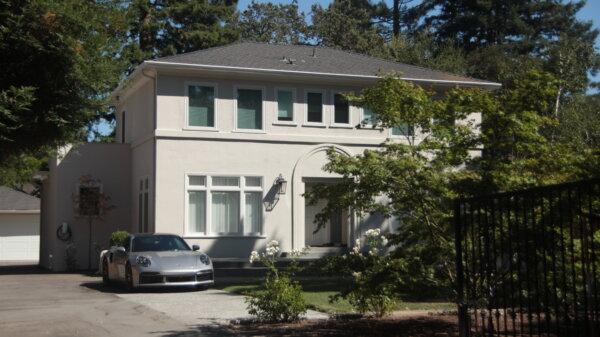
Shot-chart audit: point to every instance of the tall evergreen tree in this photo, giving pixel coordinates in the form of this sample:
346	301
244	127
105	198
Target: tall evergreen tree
267	22
348	25
166	27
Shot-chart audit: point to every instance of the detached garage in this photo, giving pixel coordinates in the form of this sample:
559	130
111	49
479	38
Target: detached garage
19	226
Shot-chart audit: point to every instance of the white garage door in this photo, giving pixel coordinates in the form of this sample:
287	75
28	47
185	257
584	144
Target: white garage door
19	237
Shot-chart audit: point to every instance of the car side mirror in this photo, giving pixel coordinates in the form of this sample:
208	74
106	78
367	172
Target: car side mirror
195	247
121	249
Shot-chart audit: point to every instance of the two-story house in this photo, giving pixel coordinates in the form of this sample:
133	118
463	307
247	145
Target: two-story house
219	146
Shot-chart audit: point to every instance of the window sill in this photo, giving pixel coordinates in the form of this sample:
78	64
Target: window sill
200	128
314	125
248	131
341	126
285	123
216	236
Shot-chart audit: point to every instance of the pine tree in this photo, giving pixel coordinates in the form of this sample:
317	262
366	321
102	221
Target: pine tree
267	22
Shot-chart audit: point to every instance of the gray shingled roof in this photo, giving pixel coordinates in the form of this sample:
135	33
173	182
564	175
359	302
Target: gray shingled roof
326	60
12	200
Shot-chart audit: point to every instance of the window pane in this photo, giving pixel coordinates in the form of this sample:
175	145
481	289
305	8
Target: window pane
226	181
197	211
253	181
253	216
197	181
285	105
201	106
341	109
249	109
314	102
368	116
225	212
403	130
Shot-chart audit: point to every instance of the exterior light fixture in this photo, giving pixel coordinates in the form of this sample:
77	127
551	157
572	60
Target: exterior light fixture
282	183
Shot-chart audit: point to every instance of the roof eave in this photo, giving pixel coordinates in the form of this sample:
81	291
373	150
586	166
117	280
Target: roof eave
296	73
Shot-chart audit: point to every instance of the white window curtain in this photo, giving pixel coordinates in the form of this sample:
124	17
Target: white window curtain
253	210
225	212
197	211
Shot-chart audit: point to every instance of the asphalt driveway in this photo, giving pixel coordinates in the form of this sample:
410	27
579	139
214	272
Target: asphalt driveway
36	303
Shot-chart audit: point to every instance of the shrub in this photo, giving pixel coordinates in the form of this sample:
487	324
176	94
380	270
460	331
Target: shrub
118	238
281	298
372	274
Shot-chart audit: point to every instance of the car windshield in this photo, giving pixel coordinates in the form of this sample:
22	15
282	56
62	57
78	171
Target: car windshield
158	243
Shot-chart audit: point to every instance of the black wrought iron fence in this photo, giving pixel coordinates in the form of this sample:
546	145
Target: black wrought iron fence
528	262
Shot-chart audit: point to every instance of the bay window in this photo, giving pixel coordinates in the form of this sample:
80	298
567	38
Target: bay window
224	205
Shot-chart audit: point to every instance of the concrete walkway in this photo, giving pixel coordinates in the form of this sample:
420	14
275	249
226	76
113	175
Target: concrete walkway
199	307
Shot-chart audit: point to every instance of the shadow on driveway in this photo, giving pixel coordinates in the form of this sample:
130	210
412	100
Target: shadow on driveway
18	269
118	288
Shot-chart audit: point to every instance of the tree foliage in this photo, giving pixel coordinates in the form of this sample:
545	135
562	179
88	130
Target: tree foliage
267	22
416	180
59	61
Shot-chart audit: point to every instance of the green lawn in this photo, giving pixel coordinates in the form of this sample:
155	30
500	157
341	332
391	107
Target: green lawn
316	292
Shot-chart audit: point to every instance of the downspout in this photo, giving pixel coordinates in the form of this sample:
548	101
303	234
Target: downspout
154	123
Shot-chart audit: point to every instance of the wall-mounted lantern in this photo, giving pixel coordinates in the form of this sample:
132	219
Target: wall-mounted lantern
282	183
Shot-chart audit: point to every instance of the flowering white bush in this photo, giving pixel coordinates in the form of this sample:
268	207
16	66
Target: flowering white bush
370	274
281	299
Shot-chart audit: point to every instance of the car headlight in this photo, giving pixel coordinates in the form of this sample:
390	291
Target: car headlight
205	259
143	261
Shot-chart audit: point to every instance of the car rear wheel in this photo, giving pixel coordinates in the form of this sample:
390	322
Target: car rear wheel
105	277
129	278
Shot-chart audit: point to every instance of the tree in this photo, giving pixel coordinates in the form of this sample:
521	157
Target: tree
165	27
59	61
422	49
267	22
348	25
91	204
495	34
416	181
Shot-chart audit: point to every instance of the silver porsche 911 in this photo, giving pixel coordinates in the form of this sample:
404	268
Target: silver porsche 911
150	260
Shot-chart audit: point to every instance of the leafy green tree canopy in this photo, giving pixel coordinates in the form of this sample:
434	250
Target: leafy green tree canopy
59	60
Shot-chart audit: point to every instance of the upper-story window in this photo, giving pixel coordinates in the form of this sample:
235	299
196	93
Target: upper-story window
403	130
285	105
201	106
250	109
341	110
368	116
314	107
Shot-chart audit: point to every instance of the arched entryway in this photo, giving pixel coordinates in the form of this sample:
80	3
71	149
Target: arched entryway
307	171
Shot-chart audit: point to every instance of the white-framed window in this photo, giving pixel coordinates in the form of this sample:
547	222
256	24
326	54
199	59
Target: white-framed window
341	116
143	205
224	205
403	130
314	101
285	100
249	109
369	117
201	105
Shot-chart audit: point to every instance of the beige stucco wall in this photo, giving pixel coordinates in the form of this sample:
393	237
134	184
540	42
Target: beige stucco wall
296	162
172	107
110	163
139	112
